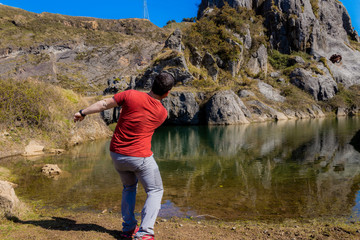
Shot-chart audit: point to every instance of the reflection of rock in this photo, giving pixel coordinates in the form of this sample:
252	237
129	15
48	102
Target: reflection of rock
51	170
55	151
305	161
9	203
225	140
178	142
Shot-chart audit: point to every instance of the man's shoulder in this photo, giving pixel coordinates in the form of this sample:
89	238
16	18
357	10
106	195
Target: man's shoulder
135	92
131	92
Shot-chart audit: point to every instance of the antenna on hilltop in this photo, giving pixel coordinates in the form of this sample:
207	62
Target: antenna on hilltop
146	12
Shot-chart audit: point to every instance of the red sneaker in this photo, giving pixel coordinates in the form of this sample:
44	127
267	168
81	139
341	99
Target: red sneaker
129	234
146	237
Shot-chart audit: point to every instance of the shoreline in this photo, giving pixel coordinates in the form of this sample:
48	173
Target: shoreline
19	148
40	223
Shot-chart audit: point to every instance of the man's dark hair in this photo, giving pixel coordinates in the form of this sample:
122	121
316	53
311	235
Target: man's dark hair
163	83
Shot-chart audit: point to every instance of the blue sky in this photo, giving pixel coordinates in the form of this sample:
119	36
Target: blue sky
353	7
160	11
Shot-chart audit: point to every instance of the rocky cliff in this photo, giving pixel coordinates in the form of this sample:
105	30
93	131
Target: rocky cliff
74	52
319	27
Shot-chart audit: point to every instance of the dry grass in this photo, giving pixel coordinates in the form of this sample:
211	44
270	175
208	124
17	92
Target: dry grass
31	109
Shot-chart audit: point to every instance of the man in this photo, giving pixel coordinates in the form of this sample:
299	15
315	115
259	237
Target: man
130	149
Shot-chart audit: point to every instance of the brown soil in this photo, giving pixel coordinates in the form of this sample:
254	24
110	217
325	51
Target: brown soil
56	224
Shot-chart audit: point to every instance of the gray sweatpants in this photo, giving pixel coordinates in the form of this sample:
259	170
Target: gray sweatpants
132	169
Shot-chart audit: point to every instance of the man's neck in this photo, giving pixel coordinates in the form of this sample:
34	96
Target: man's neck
153	95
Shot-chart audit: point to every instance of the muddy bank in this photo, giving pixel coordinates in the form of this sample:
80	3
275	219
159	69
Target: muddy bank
60	224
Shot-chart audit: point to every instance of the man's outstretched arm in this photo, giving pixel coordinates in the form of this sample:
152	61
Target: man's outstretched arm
95	108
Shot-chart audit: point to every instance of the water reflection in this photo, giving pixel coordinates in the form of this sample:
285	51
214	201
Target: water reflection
270	170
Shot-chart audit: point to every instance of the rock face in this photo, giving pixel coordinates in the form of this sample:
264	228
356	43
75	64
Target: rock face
182	108
319	86
174	41
9	202
220	3
209	63
320	28
258	61
111	115
176	66
174	63
115	85
225	108
79	58
292	24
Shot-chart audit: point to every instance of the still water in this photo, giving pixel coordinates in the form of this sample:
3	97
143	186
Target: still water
275	170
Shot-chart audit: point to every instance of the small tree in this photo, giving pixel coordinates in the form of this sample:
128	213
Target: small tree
193	19
170	21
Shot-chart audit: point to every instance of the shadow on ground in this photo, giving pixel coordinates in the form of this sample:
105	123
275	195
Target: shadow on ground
65	224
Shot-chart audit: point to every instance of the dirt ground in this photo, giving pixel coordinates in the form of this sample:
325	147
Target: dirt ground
60	224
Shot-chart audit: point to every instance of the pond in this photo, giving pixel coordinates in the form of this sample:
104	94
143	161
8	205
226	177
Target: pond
274	170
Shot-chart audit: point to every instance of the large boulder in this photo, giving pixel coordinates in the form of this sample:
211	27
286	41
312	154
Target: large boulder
225	108
262	112
9	203
321	87
182	108
270	93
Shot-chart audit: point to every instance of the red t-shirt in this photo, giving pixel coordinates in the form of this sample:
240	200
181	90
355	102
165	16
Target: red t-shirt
140	115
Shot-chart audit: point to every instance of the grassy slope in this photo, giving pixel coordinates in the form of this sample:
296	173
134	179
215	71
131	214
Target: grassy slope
19	28
212	33
41	111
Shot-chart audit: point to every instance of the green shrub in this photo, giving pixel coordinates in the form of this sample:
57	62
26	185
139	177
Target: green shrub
278	60
349	98
215	33
354	45
24	101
